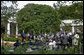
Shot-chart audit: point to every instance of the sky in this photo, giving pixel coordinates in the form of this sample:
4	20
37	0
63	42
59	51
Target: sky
22	3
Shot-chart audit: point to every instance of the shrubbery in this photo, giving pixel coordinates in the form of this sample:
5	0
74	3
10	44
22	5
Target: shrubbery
5	38
22	50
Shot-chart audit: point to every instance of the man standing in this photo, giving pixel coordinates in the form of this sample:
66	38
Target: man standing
22	35
65	41
28	35
16	44
75	41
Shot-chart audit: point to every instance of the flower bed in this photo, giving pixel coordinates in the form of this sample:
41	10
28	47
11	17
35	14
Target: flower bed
5	38
19	37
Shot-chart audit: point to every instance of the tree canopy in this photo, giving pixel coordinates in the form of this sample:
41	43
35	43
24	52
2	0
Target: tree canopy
74	11
71	12
35	17
6	13
44	18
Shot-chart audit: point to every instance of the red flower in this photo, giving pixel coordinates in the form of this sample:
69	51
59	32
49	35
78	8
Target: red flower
19	37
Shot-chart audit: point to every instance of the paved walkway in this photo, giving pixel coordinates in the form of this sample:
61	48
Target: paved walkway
9	42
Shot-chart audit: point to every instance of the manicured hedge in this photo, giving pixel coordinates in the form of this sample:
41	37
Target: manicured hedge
5	38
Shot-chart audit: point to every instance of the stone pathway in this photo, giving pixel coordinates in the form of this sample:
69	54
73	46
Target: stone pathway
8	42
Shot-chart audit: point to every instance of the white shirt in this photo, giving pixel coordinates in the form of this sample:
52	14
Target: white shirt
50	43
75	40
76	36
70	33
28	34
54	44
45	34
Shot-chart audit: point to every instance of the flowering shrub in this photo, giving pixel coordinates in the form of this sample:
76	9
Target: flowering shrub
19	36
5	38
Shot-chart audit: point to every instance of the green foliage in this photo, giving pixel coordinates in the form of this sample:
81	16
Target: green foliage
74	11
7	12
22	50
4	50
34	17
46	37
5	38
68	28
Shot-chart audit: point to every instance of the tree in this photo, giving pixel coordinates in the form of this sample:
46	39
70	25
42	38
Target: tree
7	12
35	17
74	11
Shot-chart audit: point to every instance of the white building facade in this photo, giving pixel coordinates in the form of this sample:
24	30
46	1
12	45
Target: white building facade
8	26
71	22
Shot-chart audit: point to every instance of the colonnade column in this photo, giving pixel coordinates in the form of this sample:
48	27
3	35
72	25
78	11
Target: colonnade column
8	29
16	30
73	29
